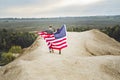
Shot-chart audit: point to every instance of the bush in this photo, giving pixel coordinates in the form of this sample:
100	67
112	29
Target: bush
15	49
7	57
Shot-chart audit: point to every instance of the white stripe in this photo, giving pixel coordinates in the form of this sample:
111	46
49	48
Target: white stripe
52	38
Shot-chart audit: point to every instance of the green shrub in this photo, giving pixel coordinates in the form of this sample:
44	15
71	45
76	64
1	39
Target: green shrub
15	49
7	57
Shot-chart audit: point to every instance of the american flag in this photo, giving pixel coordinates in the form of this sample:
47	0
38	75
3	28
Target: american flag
57	40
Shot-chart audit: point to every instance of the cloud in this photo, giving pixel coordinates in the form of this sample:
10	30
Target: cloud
52	8
106	7
24	7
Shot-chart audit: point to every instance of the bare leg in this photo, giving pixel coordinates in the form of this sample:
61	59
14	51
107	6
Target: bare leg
52	51
59	51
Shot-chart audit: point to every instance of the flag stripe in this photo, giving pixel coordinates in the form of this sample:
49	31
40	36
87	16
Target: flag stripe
59	44
59	40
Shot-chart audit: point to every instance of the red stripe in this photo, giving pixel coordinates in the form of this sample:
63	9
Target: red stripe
48	36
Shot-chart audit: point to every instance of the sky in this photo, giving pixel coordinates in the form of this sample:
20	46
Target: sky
58	8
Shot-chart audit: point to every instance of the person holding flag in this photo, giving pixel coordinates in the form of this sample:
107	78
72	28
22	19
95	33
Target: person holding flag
60	39
50	32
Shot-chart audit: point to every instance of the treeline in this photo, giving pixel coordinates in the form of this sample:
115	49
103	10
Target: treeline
13	42
113	32
9	38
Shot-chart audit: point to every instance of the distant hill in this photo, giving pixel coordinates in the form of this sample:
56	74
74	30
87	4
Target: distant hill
41	23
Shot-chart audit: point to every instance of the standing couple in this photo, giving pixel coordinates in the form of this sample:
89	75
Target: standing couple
51	31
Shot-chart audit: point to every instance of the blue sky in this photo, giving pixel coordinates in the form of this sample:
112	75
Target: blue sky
58	8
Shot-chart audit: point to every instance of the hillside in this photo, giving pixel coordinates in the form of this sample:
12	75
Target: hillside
91	55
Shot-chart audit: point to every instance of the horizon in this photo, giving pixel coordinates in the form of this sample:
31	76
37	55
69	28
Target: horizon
62	16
